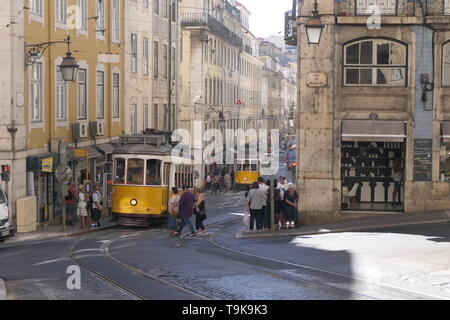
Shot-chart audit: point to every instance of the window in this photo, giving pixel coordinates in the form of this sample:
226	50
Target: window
135	172
375	62
61	97
174	11
153	174
156	6
172	71
100	94
36	92
115	20
165	5
155	116
100	13
155	59
36	7
82	94
145	117
133	53
165	63
119	177
173	116
133	118
116	95
145	3
61	11
387	7
165	116
82	15
446	64
145	56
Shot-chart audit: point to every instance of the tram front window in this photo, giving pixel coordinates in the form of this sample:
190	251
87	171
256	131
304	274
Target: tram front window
119	177
153	173
254	167
135	174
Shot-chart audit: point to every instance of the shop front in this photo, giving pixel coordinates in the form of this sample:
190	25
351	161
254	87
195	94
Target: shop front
41	184
372	165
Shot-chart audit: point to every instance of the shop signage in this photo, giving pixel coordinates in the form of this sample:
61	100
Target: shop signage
47	165
316	79
80	153
422	159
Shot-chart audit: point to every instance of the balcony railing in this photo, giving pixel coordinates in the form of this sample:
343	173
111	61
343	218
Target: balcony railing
290	27
386	7
217	27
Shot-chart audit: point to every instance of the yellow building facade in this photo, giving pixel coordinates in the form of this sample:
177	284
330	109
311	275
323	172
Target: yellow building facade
85	114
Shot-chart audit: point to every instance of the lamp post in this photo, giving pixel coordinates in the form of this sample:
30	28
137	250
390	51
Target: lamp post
69	67
314	26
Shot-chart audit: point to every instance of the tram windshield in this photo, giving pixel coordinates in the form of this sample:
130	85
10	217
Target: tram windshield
248	166
119	177
135	174
153	177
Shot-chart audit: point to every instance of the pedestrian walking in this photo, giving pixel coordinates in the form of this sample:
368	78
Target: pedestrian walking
265	189
186	209
217	184
174	206
228	181
82	206
70	201
200	212
208	183
290	206
96	208
257	201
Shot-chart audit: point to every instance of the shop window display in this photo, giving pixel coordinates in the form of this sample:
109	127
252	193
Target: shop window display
377	168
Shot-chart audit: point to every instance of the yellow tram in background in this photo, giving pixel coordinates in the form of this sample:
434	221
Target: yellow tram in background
144	174
246	172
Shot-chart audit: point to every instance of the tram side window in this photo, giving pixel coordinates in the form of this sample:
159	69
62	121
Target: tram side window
135	174
254	167
119	177
153	173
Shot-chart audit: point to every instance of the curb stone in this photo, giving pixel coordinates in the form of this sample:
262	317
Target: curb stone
240	235
3	295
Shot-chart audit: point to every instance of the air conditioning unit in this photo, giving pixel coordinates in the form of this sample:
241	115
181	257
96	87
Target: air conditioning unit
97	128
79	130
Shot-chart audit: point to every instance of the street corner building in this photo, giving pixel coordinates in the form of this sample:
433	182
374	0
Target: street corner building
374	112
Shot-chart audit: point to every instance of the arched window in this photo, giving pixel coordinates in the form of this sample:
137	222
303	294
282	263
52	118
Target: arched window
375	62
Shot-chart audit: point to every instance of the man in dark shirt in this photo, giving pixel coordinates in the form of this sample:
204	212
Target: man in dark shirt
186	209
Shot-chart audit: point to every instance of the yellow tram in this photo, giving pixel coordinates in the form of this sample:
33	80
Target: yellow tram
144	174
246	172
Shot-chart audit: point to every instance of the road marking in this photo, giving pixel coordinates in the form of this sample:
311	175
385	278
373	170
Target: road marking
237	214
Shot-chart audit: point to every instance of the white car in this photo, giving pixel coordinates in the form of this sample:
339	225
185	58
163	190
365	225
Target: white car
6	229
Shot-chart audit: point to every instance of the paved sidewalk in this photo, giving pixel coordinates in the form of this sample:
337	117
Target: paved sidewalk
350	223
46	232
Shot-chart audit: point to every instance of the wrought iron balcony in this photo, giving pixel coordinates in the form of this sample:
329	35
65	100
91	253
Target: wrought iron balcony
214	25
290	27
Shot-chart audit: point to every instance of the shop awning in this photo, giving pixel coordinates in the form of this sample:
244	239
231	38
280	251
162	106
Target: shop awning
107	148
93	153
373	130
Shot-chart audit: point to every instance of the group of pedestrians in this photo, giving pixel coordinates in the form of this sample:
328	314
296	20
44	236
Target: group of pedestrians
83	203
185	207
218	181
259	207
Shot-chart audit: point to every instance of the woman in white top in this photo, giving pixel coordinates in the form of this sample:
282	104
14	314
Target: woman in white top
174	204
82	204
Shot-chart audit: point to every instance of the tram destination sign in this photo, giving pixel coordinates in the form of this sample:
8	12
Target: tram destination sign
422	159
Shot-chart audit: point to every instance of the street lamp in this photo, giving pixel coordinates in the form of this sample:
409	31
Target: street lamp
314	26
69	67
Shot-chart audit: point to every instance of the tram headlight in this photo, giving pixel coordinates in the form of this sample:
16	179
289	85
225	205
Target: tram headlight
133	202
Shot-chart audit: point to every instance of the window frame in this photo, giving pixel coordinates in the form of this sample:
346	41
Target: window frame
374	66
83	84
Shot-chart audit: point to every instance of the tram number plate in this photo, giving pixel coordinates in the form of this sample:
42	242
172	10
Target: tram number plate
5	233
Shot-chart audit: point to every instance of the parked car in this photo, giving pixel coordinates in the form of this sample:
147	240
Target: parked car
6	229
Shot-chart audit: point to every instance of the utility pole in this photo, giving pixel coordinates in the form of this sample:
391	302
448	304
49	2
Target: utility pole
272	182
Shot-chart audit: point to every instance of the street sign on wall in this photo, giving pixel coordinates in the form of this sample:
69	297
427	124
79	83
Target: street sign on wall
423	159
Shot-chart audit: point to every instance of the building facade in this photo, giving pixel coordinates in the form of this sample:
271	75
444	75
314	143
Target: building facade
374	97
220	72
52	115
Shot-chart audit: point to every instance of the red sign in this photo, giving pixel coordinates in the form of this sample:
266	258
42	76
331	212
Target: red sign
239	102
